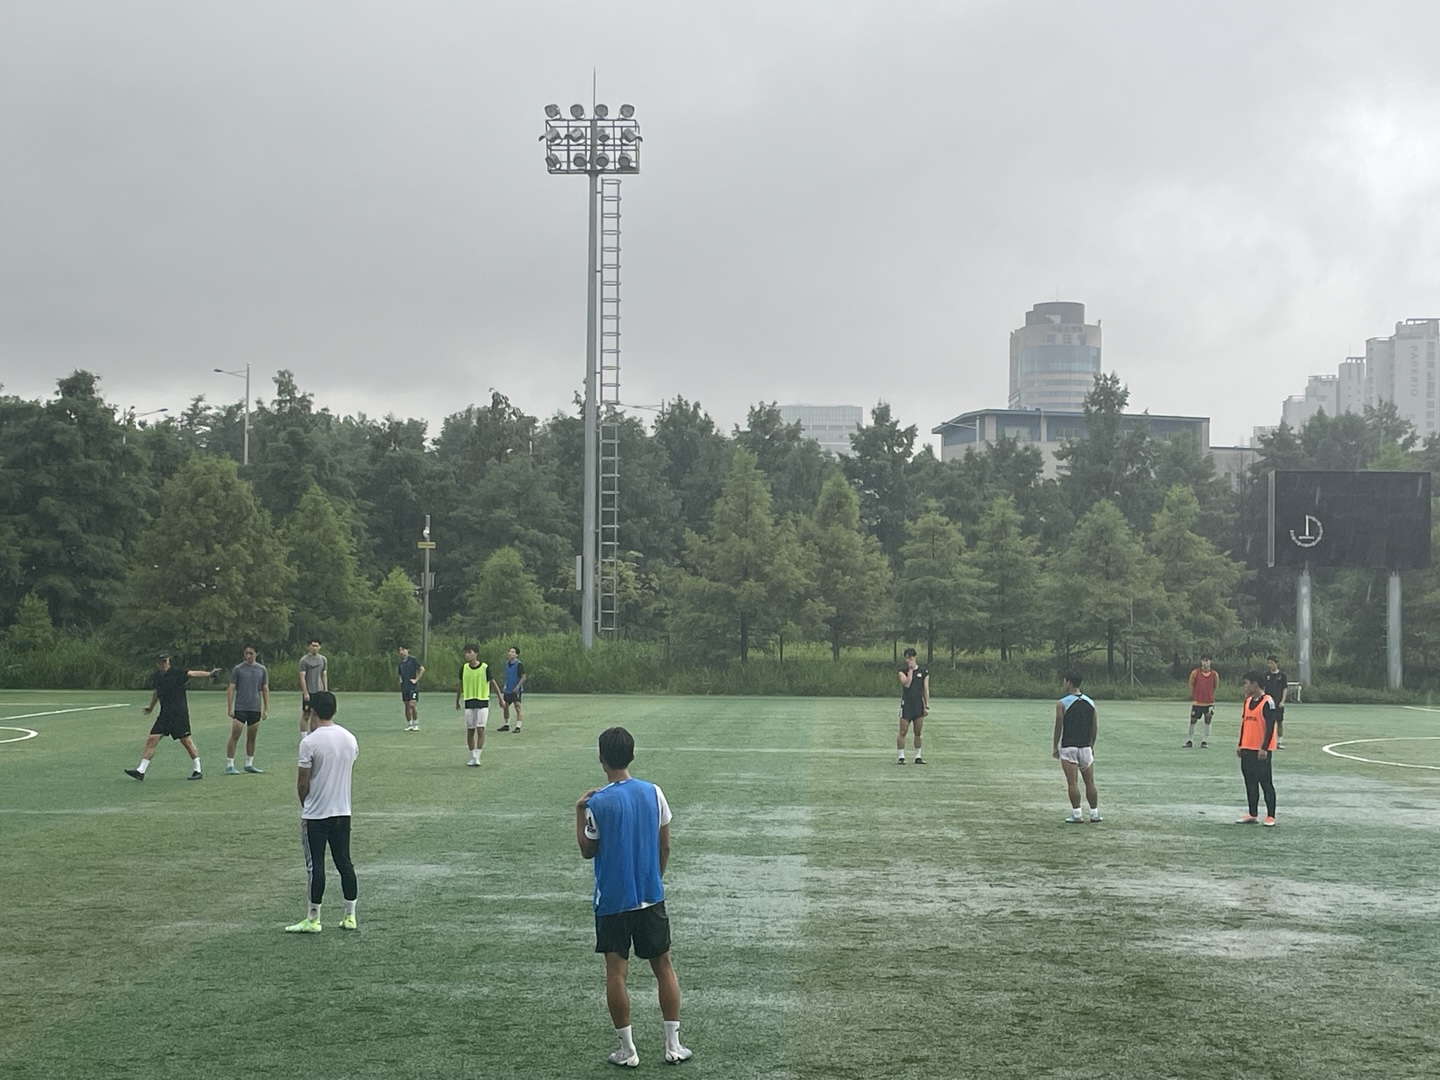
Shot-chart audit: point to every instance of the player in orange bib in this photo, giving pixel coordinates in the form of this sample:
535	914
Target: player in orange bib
1204	680
1257	740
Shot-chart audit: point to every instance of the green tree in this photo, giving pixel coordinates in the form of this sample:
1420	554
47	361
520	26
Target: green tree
853	578
1199	581
75	493
1105	590
1114	460
720	603
794	465
878	468
397	611
1009	563
696	457
330	595
210	573
939	592
32	630
504	600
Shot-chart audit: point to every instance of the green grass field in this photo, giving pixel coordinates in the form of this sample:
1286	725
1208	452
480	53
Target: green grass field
834	915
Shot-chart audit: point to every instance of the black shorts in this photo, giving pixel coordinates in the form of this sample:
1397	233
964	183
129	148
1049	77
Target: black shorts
176	725
1201	712
910	715
1280	714
409	693
647	927
248	717
512	698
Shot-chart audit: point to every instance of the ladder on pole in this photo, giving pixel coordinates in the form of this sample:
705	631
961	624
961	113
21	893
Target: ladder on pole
607	612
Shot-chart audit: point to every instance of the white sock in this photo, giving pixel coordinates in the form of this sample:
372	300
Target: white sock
143	766
627	1038
900	755
1191	733
349	907
229	762
195	761
249	760
314	912
672	1034
1206	736
917	751
1094	811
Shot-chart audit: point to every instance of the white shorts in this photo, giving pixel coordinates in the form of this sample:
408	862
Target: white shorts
475	718
1083	756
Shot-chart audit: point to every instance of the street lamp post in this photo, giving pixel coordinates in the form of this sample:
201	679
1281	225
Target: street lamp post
245	455
591	146
131	416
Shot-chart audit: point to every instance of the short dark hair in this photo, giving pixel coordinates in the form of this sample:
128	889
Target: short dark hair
159	656
322	704
516	648
251	648
404	646
617	747
1272	656
1073	678
313	641
470	646
910	652
1254	677
1205	656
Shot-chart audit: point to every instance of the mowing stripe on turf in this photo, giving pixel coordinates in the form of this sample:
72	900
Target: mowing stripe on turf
1330	749
58	712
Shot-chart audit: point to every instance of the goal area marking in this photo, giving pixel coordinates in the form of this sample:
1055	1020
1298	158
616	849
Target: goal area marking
1330	749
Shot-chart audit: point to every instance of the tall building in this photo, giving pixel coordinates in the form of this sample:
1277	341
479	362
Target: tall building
1054	358
1402	369
1350	385
1321	392
829	425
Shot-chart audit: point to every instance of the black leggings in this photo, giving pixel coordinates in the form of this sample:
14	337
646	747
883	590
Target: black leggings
315	833
1257	777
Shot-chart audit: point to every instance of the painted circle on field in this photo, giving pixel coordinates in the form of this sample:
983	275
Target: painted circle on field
1330	749
25	733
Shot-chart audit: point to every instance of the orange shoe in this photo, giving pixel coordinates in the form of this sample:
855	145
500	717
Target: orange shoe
1247	819
1270	821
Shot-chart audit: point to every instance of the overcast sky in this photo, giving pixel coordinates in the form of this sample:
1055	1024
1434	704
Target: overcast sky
840	201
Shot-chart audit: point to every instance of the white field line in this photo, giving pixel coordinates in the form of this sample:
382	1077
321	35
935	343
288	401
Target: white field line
1419	708
1330	749
59	712
30	733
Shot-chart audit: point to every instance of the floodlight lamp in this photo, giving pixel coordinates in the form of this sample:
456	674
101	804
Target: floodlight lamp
627	111
579	160
552	111
552	161
602	160
552	135
576	135
629	135
602	111
577	111
625	162
602	135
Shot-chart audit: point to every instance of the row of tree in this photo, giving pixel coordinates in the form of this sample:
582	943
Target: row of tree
751	540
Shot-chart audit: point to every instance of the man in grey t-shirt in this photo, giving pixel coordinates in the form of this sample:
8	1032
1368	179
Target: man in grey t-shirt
313	679
247	702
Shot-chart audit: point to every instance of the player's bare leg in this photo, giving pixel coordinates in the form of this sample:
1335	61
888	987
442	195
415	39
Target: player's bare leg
1072	783
900	741
919	723
1092	797
151	743
236	727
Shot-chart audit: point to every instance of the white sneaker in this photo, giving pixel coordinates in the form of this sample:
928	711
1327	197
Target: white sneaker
1075	818
1095	816
679	1054
629	1058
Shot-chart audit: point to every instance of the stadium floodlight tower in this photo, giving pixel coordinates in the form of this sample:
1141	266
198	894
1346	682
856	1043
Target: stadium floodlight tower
595	146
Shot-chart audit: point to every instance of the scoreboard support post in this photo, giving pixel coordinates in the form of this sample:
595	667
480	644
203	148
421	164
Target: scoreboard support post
1304	625
1394	653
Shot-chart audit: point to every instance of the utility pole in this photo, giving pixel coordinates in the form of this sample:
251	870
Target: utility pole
427	581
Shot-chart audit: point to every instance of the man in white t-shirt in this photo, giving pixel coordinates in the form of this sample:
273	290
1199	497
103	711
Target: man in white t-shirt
327	756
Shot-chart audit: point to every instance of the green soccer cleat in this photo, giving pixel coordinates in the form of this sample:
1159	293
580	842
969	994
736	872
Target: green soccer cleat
304	926
231	770
252	768
348	923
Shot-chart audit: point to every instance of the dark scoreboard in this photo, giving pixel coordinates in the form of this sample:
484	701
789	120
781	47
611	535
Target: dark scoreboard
1379	520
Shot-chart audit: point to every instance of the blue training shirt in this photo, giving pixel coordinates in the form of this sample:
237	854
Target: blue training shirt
513	670
625	817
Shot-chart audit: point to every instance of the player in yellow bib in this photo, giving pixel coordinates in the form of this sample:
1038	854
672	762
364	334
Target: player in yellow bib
472	694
